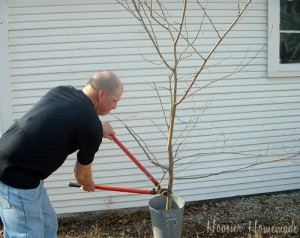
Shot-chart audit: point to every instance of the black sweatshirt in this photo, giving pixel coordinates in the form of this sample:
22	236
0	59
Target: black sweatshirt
62	122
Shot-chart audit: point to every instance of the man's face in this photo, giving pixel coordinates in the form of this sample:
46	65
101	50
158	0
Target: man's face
108	101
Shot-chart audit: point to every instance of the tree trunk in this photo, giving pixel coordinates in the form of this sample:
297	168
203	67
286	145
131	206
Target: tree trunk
170	156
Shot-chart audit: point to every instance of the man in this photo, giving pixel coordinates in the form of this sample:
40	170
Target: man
65	120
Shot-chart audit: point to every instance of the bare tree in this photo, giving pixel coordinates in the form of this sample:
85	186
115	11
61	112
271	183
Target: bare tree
162	25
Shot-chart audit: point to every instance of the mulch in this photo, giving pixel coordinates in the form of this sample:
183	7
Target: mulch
263	216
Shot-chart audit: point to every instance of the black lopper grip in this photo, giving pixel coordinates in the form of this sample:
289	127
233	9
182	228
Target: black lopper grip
75	185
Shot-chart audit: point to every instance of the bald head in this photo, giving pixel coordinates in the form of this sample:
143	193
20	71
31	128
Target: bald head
106	81
105	90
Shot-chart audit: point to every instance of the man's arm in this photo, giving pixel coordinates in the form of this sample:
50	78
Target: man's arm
83	176
83	173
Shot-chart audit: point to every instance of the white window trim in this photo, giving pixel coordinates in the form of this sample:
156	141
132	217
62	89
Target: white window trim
275	69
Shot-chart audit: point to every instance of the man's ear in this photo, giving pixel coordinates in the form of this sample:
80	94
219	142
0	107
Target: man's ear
101	93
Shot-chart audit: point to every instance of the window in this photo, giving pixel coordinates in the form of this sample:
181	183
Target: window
284	38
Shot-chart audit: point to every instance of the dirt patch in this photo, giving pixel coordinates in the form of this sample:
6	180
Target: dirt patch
265	216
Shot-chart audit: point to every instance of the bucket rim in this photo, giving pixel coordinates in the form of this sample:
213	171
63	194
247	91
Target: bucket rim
157	201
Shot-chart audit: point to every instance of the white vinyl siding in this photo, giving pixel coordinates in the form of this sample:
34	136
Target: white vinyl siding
5	92
63	42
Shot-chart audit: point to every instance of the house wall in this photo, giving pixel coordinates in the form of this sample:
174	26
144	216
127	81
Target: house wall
246	118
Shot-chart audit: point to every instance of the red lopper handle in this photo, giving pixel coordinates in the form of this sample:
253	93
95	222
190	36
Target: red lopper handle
127	152
115	188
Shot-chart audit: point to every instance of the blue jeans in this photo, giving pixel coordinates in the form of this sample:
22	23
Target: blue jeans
27	213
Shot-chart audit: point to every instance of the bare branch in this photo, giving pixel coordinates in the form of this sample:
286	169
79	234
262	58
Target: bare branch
205	13
162	16
190	44
161	105
280	159
181	24
151	33
211	52
186	135
152	61
143	146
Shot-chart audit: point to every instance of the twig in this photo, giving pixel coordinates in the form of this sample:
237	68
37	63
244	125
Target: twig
285	158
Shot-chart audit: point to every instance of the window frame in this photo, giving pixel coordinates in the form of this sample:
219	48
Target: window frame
275	69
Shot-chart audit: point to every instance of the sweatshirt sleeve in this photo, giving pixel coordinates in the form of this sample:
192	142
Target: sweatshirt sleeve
90	138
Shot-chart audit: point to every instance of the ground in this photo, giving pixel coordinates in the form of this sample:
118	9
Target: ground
264	216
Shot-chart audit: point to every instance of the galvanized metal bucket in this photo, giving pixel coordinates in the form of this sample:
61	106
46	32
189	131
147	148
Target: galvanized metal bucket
166	224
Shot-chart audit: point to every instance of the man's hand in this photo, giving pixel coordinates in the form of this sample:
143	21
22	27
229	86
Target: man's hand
107	130
88	188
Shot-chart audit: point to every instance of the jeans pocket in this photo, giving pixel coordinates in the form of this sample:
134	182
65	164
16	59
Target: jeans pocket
4	203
